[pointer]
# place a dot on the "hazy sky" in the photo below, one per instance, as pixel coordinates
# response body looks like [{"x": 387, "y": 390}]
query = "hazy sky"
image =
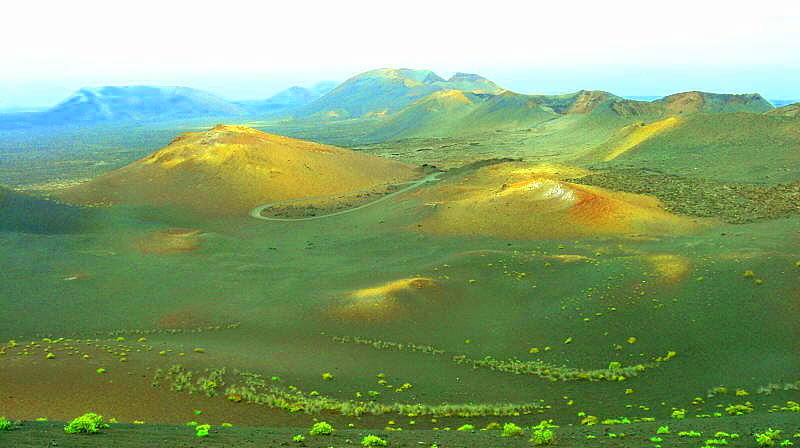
[{"x": 243, "y": 50}]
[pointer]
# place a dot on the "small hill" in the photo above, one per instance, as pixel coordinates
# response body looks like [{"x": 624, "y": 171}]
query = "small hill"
[
  {"x": 289, "y": 99},
  {"x": 527, "y": 201},
  {"x": 20, "y": 212},
  {"x": 385, "y": 91},
  {"x": 693, "y": 102},
  {"x": 789, "y": 110},
  {"x": 230, "y": 169}
]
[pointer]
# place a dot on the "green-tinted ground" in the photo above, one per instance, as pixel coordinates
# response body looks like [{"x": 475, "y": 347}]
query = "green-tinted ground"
[
  {"x": 726, "y": 301},
  {"x": 38, "y": 434}
]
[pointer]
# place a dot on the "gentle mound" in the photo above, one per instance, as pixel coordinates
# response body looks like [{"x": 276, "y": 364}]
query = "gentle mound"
[
  {"x": 541, "y": 206},
  {"x": 231, "y": 169},
  {"x": 170, "y": 241},
  {"x": 384, "y": 302}
]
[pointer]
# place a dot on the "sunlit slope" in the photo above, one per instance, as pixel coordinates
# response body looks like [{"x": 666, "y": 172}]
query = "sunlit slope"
[
  {"x": 629, "y": 137},
  {"x": 382, "y": 92},
  {"x": 524, "y": 201},
  {"x": 732, "y": 147},
  {"x": 230, "y": 169}
]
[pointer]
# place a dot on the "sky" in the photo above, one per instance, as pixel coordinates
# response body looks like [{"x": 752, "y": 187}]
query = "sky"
[{"x": 252, "y": 49}]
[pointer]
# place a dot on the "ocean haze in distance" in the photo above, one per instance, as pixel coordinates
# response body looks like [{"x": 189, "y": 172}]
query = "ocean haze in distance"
[{"x": 249, "y": 51}]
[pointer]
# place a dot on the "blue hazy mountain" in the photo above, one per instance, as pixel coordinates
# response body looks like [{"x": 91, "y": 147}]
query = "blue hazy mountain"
[
  {"x": 125, "y": 103},
  {"x": 289, "y": 99},
  {"x": 117, "y": 103},
  {"x": 779, "y": 103}
]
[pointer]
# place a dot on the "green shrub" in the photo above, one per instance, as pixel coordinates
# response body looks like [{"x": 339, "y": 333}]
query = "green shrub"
[
  {"x": 768, "y": 437},
  {"x": 466, "y": 428},
  {"x": 371, "y": 440},
  {"x": 321, "y": 429},
  {"x": 298, "y": 438},
  {"x": 202, "y": 430},
  {"x": 543, "y": 434},
  {"x": 5, "y": 424},
  {"x": 511, "y": 430},
  {"x": 543, "y": 437},
  {"x": 89, "y": 423}
]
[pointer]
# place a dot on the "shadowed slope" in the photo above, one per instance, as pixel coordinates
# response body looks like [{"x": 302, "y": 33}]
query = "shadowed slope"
[
  {"x": 230, "y": 169},
  {"x": 20, "y": 212}
]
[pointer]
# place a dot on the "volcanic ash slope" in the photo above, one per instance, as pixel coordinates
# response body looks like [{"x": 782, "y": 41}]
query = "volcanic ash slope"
[
  {"x": 228, "y": 170},
  {"x": 524, "y": 201}
]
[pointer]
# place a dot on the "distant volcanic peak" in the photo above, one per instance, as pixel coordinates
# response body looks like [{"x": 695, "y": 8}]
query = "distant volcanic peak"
[
  {"x": 471, "y": 82},
  {"x": 405, "y": 74},
  {"x": 692, "y": 96},
  {"x": 696, "y": 101},
  {"x": 459, "y": 76},
  {"x": 588, "y": 100},
  {"x": 138, "y": 91}
]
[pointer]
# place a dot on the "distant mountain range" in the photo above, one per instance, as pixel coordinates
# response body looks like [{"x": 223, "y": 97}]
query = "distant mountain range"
[
  {"x": 404, "y": 103},
  {"x": 152, "y": 103},
  {"x": 382, "y": 92}
]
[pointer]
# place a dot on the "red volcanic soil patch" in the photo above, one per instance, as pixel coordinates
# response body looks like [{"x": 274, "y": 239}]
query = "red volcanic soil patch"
[
  {"x": 186, "y": 317},
  {"x": 541, "y": 206},
  {"x": 586, "y": 102},
  {"x": 170, "y": 241},
  {"x": 69, "y": 385},
  {"x": 687, "y": 102}
]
